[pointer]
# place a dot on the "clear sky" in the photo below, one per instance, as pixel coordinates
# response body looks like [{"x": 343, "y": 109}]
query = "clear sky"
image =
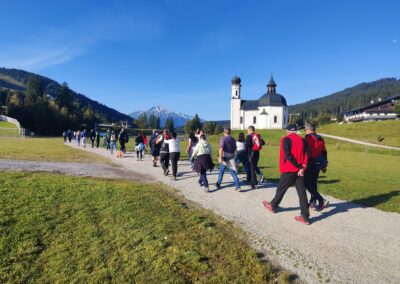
[{"x": 181, "y": 54}]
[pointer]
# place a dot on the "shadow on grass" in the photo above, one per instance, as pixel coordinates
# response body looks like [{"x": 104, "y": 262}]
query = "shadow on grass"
[
  {"x": 331, "y": 181},
  {"x": 374, "y": 200},
  {"x": 371, "y": 201}
]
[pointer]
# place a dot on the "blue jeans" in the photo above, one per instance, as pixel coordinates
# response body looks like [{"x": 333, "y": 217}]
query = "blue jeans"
[
  {"x": 113, "y": 145},
  {"x": 222, "y": 168}
]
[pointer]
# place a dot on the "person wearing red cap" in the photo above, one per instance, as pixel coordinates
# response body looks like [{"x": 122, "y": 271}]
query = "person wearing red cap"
[{"x": 293, "y": 162}]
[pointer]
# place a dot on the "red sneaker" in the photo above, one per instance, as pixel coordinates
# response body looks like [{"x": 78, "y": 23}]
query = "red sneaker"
[
  {"x": 268, "y": 206},
  {"x": 302, "y": 220}
]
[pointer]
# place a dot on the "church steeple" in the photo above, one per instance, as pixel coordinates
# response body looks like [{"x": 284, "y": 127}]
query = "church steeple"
[{"x": 271, "y": 85}]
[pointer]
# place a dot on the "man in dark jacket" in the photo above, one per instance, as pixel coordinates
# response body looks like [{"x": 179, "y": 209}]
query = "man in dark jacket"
[
  {"x": 293, "y": 162},
  {"x": 123, "y": 139},
  {"x": 97, "y": 139},
  {"x": 92, "y": 137},
  {"x": 254, "y": 143},
  {"x": 318, "y": 160}
]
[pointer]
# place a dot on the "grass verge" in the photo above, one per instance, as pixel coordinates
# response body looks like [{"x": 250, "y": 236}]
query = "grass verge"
[
  {"x": 367, "y": 131},
  {"x": 44, "y": 149},
  {"x": 8, "y": 129},
  {"x": 55, "y": 228}
]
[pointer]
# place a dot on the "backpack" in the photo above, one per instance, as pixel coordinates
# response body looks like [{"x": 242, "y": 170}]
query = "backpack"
[{"x": 257, "y": 142}]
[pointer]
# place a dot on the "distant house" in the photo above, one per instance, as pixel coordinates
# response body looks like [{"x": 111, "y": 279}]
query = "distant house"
[
  {"x": 380, "y": 110},
  {"x": 270, "y": 111}
]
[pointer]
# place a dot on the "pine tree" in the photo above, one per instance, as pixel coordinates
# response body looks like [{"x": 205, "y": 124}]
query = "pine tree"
[
  {"x": 142, "y": 121},
  {"x": 169, "y": 124},
  {"x": 34, "y": 89},
  {"x": 65, "y": 98}
]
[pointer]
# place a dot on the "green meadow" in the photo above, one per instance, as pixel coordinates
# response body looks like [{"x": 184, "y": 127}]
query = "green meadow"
[
  {"x": 8, "y": 129},
  {"x": 366, "y": 175},
  {"x": 367, "y": 131},
  {"x": 63, "y": 229},
  {"x": 44, "y": 149}
]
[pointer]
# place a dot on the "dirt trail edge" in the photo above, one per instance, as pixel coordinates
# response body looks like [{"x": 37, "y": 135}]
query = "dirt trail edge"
[{"x": 346, "y": 243}]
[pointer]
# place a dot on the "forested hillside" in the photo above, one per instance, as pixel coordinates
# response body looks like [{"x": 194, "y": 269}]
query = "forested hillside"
[
  {"x": 46, "y": 107},
  {"x": 337, "y": 103}
]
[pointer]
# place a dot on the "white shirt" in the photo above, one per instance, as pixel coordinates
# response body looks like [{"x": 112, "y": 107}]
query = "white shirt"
[
  {"x": 240, "y": 146},
  {"x": 174, "y": 145}
]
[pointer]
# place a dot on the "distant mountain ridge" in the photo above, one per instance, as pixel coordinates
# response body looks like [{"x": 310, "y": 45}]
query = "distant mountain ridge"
[
  {"x": 15, "y": 79},
  {"x": 163, "y": 113},
  {"x": 349, "y": 98}
]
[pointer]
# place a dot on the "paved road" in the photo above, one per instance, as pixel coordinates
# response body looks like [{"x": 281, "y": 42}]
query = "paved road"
[
  {"x": 344, "y": 244},
  {"x": 358, "y": 141}
]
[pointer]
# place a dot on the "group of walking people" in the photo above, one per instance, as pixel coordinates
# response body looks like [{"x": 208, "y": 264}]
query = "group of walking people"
[{"x": 300, "y": 160}]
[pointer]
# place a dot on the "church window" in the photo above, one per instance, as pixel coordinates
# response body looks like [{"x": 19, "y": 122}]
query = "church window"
[
  {"x": 236, "y": 93},
  {"x": 254, "y": 119},
  {"x": 275, "y": 119},
  {"x": 241, "y": 119}
]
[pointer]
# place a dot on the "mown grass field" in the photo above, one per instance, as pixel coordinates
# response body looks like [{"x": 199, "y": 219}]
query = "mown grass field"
[
  {"x": 59, "y": 229},
  {"x": 367, "y": 131},
  {"x": 365, "y": 175},
  {"x": 44, "y": 149},
  {"x": 8, "y": 129}
]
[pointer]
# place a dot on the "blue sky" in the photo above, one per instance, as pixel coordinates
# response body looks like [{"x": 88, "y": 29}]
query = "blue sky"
[{"x": 181, "y": 54}]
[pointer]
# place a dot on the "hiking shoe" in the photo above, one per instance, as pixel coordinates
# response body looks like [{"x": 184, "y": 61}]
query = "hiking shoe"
[
  {"x": 237, "y": 189},
  {"x": 206, "y": 189},
  {"x": 262, "y": 178},
  {"x": 218, "y": 185},
  {"x": 323, "y": 205},
  {"x": 302, "y": 220},
  {"x": 166, "y": 172},
  {"x": 313, "y": 205},
  {"x": 173, "y": 178},
  {"x": 268, "y": 206}
]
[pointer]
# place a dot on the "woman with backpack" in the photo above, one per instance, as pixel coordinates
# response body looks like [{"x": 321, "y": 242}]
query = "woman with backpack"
[
  {"x": 154, "y": 147},
  {"x": 174, "y": 153},
  {"x": 241, "y": 155},
  {"x": 164, "y": 150},
  {"x": 203, "y": 155},
  {"x": 139, "y": 147},
  {"x": 191, "y": 145}
]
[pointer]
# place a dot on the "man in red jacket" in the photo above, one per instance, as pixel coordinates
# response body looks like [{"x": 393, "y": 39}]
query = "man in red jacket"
[
  {"x": 293, "y": 162},
  {"x": 318, "y": 160}
]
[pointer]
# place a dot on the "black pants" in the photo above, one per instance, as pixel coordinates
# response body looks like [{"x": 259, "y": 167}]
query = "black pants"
[
  {"x": 286, "y": 180},
  {"x": 139, "y": 154},
  {"x": 92, "y": 140},
  {"x": 253, "y": 163},
  {"x": 310, "y": 180},
  {"x": 97, "y": 143},
  {"x": 174, "y": 162},
  {"x": 164, "y": 161},
  {"x": 122, "y": 148}
]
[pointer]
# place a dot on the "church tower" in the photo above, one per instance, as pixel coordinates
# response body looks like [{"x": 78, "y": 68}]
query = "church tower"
[{"x": 235, "y": 103}]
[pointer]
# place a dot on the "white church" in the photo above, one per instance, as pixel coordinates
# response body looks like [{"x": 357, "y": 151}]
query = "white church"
[{"x": 270, "y": 111}]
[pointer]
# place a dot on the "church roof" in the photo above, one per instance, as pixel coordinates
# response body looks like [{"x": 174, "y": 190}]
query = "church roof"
[
  {"x": 248, "y": 105},
  {"x": 236, "y": 80},
  {"x": 272, "y": 99}
]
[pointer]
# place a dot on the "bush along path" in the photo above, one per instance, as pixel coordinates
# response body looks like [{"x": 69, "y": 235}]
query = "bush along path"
[{"x": 345, "y": 242}]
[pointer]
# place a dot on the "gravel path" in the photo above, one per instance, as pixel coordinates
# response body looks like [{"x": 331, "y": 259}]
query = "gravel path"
[
  {"x": 358, "y": 142},
  {"x": 74, "y": 169},
  {"x": 345, "y": 244}
]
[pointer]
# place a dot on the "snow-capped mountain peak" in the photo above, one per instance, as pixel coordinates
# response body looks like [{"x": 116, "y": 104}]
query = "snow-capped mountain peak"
[{"x": 163, "y": 113}]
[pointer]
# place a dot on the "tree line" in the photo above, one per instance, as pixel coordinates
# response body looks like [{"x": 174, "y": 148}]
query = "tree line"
[
  {"x": 322, "y": 110},
  {"x": 44, "y": 114}
]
